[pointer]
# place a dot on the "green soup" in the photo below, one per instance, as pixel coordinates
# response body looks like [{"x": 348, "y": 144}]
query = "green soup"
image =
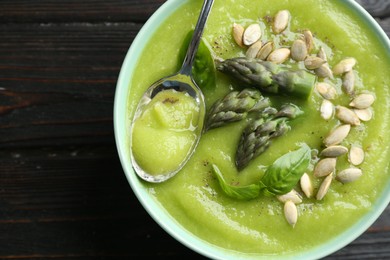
[
  {"x": 164, "y": 132},
  {"x": 195, "y": 199}
]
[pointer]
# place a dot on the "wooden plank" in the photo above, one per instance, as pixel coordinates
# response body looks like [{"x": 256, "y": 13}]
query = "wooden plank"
[
  {"x": 44, "y": 183},
  {"x": 371, "y": 245},
  {"x": 385, "y": 24},
  {"x": 57, "y": 81},
  {"x": 43, "y": 11},
  {"x": 377, "y": 8},
  {"x": 73, "y": 202},
  {"x": 89, "y": 239}
]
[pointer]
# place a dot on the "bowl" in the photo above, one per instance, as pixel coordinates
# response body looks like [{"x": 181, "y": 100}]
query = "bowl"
[{"x": 156, "y": 211}]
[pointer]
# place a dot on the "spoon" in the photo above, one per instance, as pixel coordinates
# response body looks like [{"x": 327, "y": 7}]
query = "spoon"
[{"x": 182, "y": 81}]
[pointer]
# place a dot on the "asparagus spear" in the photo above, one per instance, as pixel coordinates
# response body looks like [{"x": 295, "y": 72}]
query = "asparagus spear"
[
  {"x": 258, "y": 135},
  {"x": 234, "y": 107},
  {"x": 268, "y": 76}
]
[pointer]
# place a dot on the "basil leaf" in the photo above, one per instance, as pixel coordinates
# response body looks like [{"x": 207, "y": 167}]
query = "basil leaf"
[
  {"x": 203, "y": 68},
  {"x": 237, "y": 192},
  {"x": 285, "y": 172}
]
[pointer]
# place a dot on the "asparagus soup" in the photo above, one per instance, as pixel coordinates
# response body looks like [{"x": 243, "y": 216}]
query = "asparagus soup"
[{"x": 296, "y": 145}]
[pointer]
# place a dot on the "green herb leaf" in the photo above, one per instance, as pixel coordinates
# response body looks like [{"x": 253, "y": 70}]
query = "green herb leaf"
[
  {"x": 203, "y": 69},
  {"x": 285, "y": 172},
  {"x": 237, "y": 192}
]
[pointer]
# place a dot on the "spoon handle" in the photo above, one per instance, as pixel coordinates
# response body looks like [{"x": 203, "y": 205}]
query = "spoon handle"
[{"x": 193, "y": 47}]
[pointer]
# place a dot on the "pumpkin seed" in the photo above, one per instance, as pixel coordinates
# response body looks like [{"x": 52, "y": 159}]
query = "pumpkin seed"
[
  {"x": 326, "y": 90},
  {"x": 334, "y": 151},
  {"x": 281, "y": 21},
  {"x": 356, "y": 155},
  {"x": 324, "y": 187},
  {"x": 349, "y": 175},
  {"x": 325, "y": 167},
  {"x": 306, "y": 185},
  {"x": 364, "y": 114},
  {"x": 326, "y": 109},
  {"x": 291, "y": 213},
  {"x": 344, "y": 66},
  {"x": 254, "y": 49},
  {"x": 322, "y": 54},
  {"x": 238, "y": 33},
  {"x": 298, "y": 50},
  {"x": 293, "y": 196},
  {"x": 337, "y": 135},
  {"x": 279, "y": 55},
  {"x": 347, "y": 116},
  {"x": 308, "y": 36},
  {"x": 251, "y": 34},
  {"x": 324, "y": 71},
  {"x": 349, "y": 82},
  {"x": 362, "y": 101},
  {"x": 265, "y": 51},
  {"x": 312, "y": 62}
]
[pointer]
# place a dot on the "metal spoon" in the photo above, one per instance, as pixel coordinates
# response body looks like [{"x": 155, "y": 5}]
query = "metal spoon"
[{"x": 182, "y": 81}]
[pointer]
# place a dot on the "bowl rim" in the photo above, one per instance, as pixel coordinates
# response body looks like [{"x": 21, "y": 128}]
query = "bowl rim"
[{"x": 157, "y": 212}]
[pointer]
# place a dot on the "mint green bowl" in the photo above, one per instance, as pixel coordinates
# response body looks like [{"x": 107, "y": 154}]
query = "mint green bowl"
[{"x": 121, "y": 127}]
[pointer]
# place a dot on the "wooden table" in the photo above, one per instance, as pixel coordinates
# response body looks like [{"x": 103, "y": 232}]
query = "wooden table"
[{"x": 63, "y": 194}]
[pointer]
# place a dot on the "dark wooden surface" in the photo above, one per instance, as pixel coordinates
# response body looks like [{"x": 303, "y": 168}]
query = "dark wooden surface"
[{"x": 63, "y": 194}]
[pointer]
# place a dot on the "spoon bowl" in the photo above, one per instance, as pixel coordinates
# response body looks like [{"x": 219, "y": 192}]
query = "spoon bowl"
[{"x": 179, "y": 82}]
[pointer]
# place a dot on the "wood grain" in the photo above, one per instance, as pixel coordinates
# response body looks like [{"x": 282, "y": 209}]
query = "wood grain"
[
  {"x": 57, "y": 81},
  {"x": 377, "y": 8},
  {"x": 43, "y": 11},
  {"x": 72, "y": 203},
  {"x": 63, "y": 194}
]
